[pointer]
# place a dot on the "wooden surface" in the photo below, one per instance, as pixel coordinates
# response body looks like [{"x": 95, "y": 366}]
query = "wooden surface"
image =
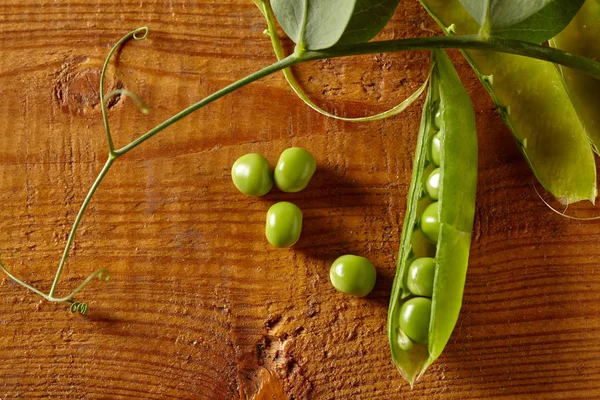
[{"x": 199, "y": 305}]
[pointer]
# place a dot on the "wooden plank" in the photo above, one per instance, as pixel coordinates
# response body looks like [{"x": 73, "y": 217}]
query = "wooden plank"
[{"x": 199, "y": 305}]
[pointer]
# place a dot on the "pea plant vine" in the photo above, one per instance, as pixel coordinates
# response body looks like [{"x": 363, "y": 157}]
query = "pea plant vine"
[{"x": 339, "y": 28}]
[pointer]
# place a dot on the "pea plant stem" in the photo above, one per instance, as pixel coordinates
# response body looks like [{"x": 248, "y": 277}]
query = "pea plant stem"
[
  {"x": 510, "y": 46},
  {"x": 467, "y": 42},
  {"x": 300, "y": 55},
  {"x": 114, "y": 154},
  {"x": 111, "y": 159},
  {"x": 285, "y": 63}
]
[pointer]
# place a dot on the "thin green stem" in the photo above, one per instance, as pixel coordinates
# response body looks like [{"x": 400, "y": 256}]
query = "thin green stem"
[
  {"x": 278, "y": 66},
  {"x": 102, "y": 274},
  {"x": 84, "y": 207},
  {"x": 472, "y": 42},
  {"x": 25, "y": 285},
  {"x": 133, "y": 34},
  {"x": 137, "y": 34},
  {"x": 265, "y": 8}
]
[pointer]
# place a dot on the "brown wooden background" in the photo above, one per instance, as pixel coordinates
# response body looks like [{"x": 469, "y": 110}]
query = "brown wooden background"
[{"x": 199, "y": 305}]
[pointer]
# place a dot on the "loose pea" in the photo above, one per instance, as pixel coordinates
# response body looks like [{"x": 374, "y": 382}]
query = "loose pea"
[
  {"x": 251, "y": 174},
  {"x": 432, "y": 184},
  {"x": 294, "y": 169},
  {"x": 414, "y": 319},
  {"x": 435, "y": 149},
  {"x": 353, "y": 275},
  {"x": 430, "y": 222},
  {"x": 284, "y": 224},
  {"x": 420, "y": 276}
]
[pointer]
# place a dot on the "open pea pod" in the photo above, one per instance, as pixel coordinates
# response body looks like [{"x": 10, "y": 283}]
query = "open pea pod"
[
  {"x": 582, "y": 36},
  {"x": 533, "y": 102},
  {"x": 436, "y": 236}
]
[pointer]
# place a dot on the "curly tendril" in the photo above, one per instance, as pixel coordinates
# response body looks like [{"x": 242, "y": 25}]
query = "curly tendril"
[
  {"x": 143, "y": 29},
  {"x": 78, "y": 307}
]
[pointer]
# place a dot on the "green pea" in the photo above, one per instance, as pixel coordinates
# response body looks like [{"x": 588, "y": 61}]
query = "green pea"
[
  {"x": 251, "y": 174},
  {"x": 404, "y": 341},
  {"x": 435, "y": 149},
  {"x": 422, "y": 205},
  {"x": 294, "y": 169},
  {"x": 414, "y": 319},
  {"x": 437, "y": 119},
  {"x": 421, "y": 247},
  {"x": 353, "y": 275},
  {"x": 420, "y": 276},
  {"x": 430, "y": 222},
  {"x": 426, "y": 172},
  {"x": 432, "y": 184},
  {"x": 284, "y": 224}
]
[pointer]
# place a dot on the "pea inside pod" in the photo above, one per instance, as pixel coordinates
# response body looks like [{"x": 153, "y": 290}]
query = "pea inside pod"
[
  {"x": 414, "y": 319},
  {"x": 428, "y": 287},
  {"x": 420, "y": 276}
]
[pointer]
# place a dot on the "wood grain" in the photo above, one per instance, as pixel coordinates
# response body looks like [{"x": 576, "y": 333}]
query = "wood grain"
[{"x": 199, "y": 305}]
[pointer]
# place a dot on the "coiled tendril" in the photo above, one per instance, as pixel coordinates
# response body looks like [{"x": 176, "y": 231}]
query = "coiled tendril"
[{"x": 78, "y": 307}]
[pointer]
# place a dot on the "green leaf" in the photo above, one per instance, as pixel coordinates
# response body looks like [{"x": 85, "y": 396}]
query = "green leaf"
[
  {"x": 290, "y": 15},
  {"x": 314, "y": 24},
  {"x": 530, "y": 20},
  {"x": 368, "y": 19}
]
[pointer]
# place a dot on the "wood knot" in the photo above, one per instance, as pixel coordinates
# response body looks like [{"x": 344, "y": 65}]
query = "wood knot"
[{"x": 76, "y": 89}]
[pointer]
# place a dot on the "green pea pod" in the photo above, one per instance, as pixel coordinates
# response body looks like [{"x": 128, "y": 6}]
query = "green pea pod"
[
  {"x": 447, "y": 108},
  {"x": 534, "y": 104},
  {"x": 582, "y": 36}
]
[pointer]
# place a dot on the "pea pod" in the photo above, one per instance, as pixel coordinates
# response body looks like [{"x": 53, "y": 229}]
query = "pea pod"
[
  {"x": 536, "y": 107},
  {"x": 582, "y": 36},
  {"x": 419, "y": 325}
]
